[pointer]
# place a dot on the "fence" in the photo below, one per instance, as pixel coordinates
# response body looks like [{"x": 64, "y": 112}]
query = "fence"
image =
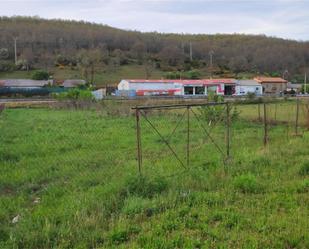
[{"x": 213, "y": 129}]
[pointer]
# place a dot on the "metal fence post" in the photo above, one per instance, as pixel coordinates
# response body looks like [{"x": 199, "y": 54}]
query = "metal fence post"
[
  {"x": 276, "y": 112},
  {"x": 138, "y": 140},
  {"x": 297, "y": 116},
  {"x": 265, "y": 126},
  {"x": 228, "y": 130},
  {"x": 188, "y": 136},
  {"x": 259, "y": 111}
]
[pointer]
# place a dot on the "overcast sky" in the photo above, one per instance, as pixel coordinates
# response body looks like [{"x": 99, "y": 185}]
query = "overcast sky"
[{"x": 281, "y": 18}]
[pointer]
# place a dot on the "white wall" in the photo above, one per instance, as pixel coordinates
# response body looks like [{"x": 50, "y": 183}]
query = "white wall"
[
  {"x": 123, "y": 85},
  {"x": 243, "y": 90}
]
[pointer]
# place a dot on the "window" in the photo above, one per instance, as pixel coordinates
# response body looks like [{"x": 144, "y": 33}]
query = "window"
[
  {"x": 212, "y": 89},
  {"x": 188, "y": 90},
  {"x": 199, "y": 90}
]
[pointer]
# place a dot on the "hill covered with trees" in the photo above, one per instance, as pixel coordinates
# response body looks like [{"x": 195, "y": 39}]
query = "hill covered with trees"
[{"x": 86, "y": 46}]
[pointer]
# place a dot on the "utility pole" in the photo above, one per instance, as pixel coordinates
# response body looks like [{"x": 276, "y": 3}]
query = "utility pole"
[
  {"x": 284, "y": 73},
  {"x": 305, "y": 84},
  {"x": 15, "y": 48},
  {"x": 191, "y": 55},
  {"x": 211, "y": 53}
]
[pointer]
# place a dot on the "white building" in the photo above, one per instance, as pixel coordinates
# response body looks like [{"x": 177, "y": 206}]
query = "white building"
[
  {"x": 178, "y": 87},
  {"x": 243, "y": 87}
]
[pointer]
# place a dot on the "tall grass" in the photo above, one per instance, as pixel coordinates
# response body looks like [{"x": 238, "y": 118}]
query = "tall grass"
[{"x": 70, "y": 176}]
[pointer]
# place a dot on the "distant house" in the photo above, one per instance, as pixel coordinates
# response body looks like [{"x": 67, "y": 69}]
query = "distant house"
[
  {"x": 243, "y": 87},
  {"x": 272, "y": 85},
  {"x": 73, "y": 83}
]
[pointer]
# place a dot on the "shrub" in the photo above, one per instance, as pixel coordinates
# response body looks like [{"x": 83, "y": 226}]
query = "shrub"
[
  {"x": 145, "y": 187},
  {"x": 6, "y": 66},
  {"x": 304, "y": 169},
  {"x": 247, "y": 184},
  {"x": 193, "y": 74},
  {"x": 40, "y": 75},
  {"x": 75, "y": 94}
]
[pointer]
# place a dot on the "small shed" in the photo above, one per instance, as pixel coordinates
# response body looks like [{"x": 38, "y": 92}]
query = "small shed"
[{"x": 243, "y": 87}]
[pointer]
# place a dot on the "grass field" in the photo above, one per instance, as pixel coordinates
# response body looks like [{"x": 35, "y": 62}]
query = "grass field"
[{"x": 69, "y": 179}]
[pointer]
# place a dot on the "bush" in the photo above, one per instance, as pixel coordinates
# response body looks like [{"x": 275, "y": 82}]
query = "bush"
[
  {"x": 6, "y": 66},
  {"x": 145, "y": 187},
  {"x": 247, "y": 184},
  {"x": 193, "y": 74},
  {"x": 304, "y": 169},
  {"x": 75, "y": 94},
  {"x": 40, "y": 75}
]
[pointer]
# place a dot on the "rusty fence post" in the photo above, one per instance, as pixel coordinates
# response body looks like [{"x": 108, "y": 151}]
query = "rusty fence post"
[
  {"x": 276, "y": 112},
  {"x": 259, "y": 111},
  {"x": 188, "y": 136},
  {"x": 297, "y": 116},
  {"x": 228, "y": 121},
  {"x": 265, "y": 126},
  {"x": 138, "y": 140}
]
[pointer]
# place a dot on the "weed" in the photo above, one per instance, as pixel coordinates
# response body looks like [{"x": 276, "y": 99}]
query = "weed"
[
  {"x": 303, "y": 187},
  {"x": 304, "y": 169},
  {"x": 247, "y": 183},
  {"x": 145, "y": 187}
]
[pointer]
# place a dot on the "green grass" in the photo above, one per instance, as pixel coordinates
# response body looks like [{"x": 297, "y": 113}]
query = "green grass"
[
  {"x": 103, "y": 75},
  {"x": 71, "y": 176}
]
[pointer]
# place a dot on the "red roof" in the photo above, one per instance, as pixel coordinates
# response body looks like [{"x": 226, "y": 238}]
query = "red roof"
[
  {"x": 186, "y": 82},
  {"x": 270, "y": 80}
]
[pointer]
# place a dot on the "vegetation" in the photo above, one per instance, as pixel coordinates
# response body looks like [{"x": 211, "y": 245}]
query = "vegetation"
[
  {"x": 68, "y": 179},
  {"x": 92, "y": 48},
  {"x": 40, "y": 75},
  {"x": 75, "y": 94}
]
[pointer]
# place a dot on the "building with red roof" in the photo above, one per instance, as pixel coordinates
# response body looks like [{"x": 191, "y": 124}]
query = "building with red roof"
[
  {"x": 143, "y": 87},
  {"x": 272, "y": 85}
]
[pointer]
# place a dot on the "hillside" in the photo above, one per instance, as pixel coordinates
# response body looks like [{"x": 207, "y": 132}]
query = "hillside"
[{"x": 90, "y": 48}]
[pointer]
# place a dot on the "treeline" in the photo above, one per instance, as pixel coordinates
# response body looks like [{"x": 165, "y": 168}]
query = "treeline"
[{"x": 45, "y": 43}]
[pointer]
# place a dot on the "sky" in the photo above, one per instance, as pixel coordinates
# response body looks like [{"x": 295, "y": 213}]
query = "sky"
[{"x": 280, "y": 18}]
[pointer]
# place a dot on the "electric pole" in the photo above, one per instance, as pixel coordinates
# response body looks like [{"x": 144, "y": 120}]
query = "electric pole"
[
  {"x": 211, "y": 53},
  {"x": 15, "y": 49},
  {"x": 305, "y": 85},
  {"x": 191, "y": 55}
]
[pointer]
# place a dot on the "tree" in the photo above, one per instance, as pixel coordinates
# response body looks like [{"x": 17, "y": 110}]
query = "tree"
[
  {"x": 88, "y": 61},
  {"x": 4, "y": 53}
]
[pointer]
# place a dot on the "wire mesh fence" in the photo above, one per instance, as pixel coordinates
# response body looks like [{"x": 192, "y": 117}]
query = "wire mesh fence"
[{"x": 186, "y": 136}]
